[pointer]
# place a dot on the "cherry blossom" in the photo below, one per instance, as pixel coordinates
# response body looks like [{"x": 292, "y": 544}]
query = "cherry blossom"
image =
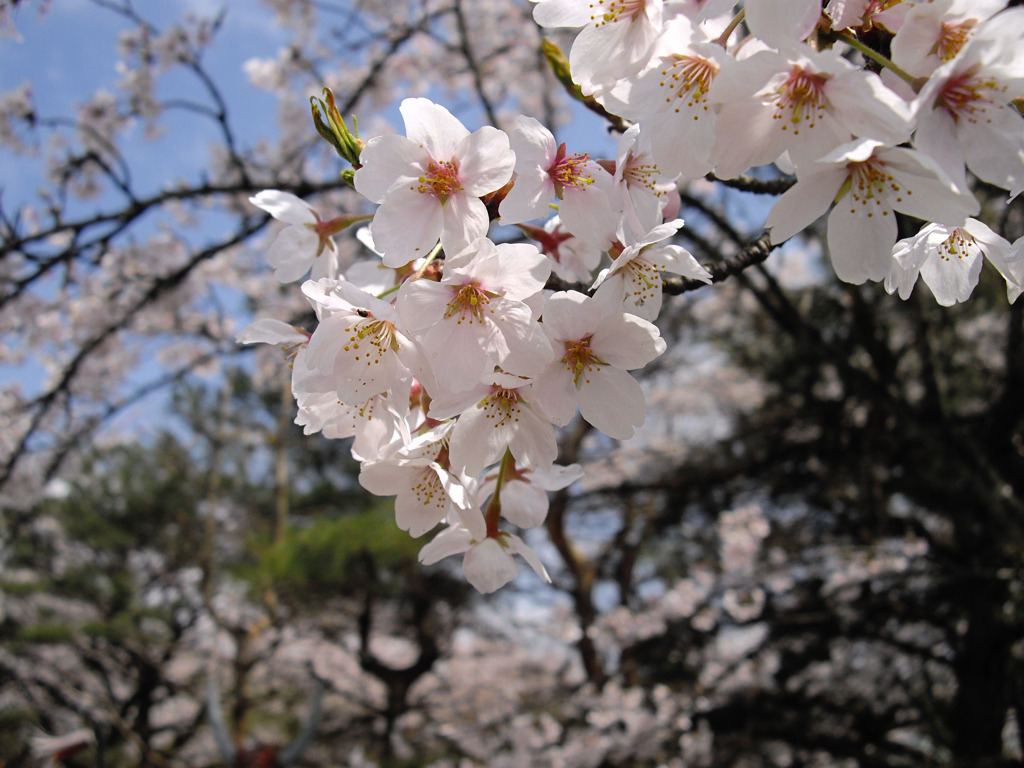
[
  {"x": 616, "y": 38},
  {"x": 545, "y": 171},
  {"x": 634, "y": 279},
  {"x": 965, "y": 116},
  {"x": 933, "y": 33},
  {"x": 426, "y": 493},
  {"x": 495, "y": 415},
  {"x": 429, "y": 182},
  {"x": 306, "y": 242},
  {"x": 949, "y": 260},
  {"x": 358, "y": 341},
  {"x": 477, "y": 317},
  {"x": 488, "y": 561},
  {"x": 597, "y": 345},
  {"x": 867, "y": 181},
  {"x": 802, "y": 102}
]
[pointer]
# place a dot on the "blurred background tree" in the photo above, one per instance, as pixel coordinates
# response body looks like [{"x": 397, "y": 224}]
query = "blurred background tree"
[{"x": 811, "y": 555}]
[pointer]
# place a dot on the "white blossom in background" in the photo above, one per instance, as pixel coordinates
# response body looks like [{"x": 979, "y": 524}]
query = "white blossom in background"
[
  {"x": 949, "y": 260},
  {"x": 867, "y": 181},
  {"x": 306, "y": 243}
]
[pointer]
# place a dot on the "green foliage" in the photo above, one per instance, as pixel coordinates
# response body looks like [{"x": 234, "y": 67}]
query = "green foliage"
[{"x": 340, "y": 555}]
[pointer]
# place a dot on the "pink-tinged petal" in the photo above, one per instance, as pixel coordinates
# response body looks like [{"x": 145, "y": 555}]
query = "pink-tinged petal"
[
  {"x": 455, "y": 490},
  {"x": 324, "y": 345},
  {"x": 529, "y": 198},
  {"x": 679, "y": 261},
  {"x": 867, "y": 108},
  {"x": 407, "y": 225},
  {"x": 533, "y": 144},
  {"x": 433, "y": 127},
  {"x": 385, "y": 478},
  {"x": 451, "y": 541},
  {"x": 422, "y": 303},
  {"x": 591, "y": 213},
  {"x": 465, "y": 220},
  {"x": 489, "y": 566},
  {"x": 571, "y": 315},
  {"x": 423, "y": 507},
  {"x": 996, "y": 153},
  {"x": 952, "y": 280},
  {"x": 779, "y": 23},
  {"x": 936, "y": 137},
  {"x": 930, "y": 194},
  {"x": 612, "y": 401},
  {"x": 523, "y": 503},
  {"x": 357, "y": 297},
  {"x": 627, "y": 341},
  {"x": 533, "y": 441},
  {"x": 388, "y": 161},
  {"x": 292, "y": 253},
  {"x": 528, "y": 349},
  {"x": 555, "y": 394},
  {"x": 997, "y": 250},
  {"x": 746, "y": 137},
  {"x": 802, "y": 204},
  {"x": 284, "y": 206},
  {"x": 485, "y": 161},
  {"x": 458, "y": 356},
  {"x": 476, "y": 441},
  {"x": 519, "y": 547},
  {"x": 561, "y": 13},
  {"x": 266, "y": 330},
  {"x": 860, "y": 247},
  {"x": 521, "y": 271},
  {"x": 447, "y": 405}
]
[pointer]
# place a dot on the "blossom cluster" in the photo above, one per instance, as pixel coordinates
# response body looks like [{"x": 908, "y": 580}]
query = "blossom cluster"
[{"x": 451, "y": 364}]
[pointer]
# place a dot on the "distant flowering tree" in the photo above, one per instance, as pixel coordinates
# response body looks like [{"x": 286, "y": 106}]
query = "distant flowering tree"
[{"x": 810, "y": 544}]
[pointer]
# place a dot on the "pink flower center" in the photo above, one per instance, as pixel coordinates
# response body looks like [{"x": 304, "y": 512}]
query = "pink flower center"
[
  {"x": 569, "y": 171},
  {"x": 501, "y": 406},
  {"x": 441, "y": 180},
  {"x": 953, "y": 37},
  {"x": 610, "y": 11},
  {"x": 470, "y": 304},
  {"x": 803, "y": 97},
  {"x": 689, "y": 78},
  {"x": 580, "y": 359},
  {"x": 967, "y": 96}
]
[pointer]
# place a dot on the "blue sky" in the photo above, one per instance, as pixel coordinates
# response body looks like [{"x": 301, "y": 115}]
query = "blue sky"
[{"x": 71, "y": 52}]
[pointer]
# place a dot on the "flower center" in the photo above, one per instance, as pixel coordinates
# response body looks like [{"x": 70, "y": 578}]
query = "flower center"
[
  {"x": 689, "y": 78},
  {"x": 569, "y": 171},
  {"x": 953, "y": 37},
  {"x": 870, "y": 184},
  {"x": 803, "y": 96},
  {"x": 957, "y": 246},
  {"x": 370, "y": 339},
  {"x": 470, "y": 304},
  {"x": 644, "y": 174},
  {"x": 501, "y": 406},
  {"x": 580, "y": 359},
  {"x": 441, "y": 180},
  {"x": 610, "y": 11},
  {"x": 967, "y": 96}
]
